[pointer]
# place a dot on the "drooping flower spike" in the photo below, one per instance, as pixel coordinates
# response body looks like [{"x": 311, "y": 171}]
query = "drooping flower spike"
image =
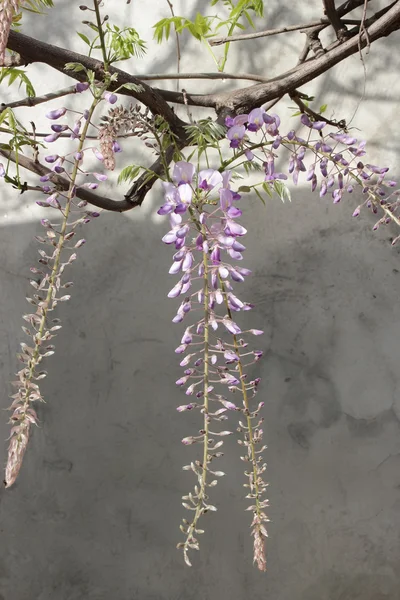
[
  {"x": 207, "y": 239},
  {"x": 333, "y": 158}
]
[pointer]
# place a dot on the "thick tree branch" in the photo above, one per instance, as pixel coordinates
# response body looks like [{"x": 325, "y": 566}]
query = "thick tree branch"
[
  {"x": 381, "y": 24},
  {"x": 237, "y": 101},
  {"x": 132, "y": 199},
  {"x": 334, "y": 19},
  {"x": 248, "y": 98},
  {"x": 32, "y": 50}
]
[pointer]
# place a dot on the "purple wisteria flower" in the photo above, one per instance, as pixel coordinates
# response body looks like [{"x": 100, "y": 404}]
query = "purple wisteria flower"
[
  {"x": 206, "y": 240},
  {"x": 329, "y": 161}
]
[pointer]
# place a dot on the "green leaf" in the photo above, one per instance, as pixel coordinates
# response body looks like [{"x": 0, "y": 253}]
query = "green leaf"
[
  {"x": 267, "y": 188},
  {"x": 34, "y": 6},
  {"x": 15, "y": 74},
  {"x": 129, "y": 173},
  {"x": 132, "y": 86},
  {"x": 282, "y": 191},
  {"x": 244, "y": 188},
  {"x": 323, "y": 108},
  {"x": 251, "y": 23},
  {"x": 84, "y": 38},
  {"x": 75, "y": 67},
  {"x": 125, "y": 43},
  {"x": 259, "y": 195}
]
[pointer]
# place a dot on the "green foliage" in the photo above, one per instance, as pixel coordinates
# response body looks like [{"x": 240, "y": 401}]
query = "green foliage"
[
  {"x": 129, "y": 173},
  {"x": 17, "y": 75},
  {"x": 121, "y": 44},
  {"x": 75, "y": 67},
  {"x": 124, "y": 43},
  {"x": 20, "y": 137},
  {"x": 282, "y": 190},
  {"x": 199, "y": 28},
  {"x": 205, "y": 132},
  {"x": 36, "y": 6},
  {"x": 202, "y": 26},
  {"x": 250, "y": 166},
  {"x": 131, "y": 86}
]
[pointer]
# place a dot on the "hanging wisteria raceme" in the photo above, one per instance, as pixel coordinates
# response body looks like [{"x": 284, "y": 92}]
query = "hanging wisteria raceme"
[
  {"x": 8, "y": 10},
  {"x": 329, "y": 162},
  {"x": 59, "y": 238},
  {"x": 206, "y": 235}
]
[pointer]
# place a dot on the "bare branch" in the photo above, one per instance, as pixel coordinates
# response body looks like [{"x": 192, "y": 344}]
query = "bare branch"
[
  {"x": 63, "y": 183},
  {"x": 267, "y": 33},
  {"x": 334, "y": 19},
  {"x": 178, "y": 45},
  {"x": 218, "y": 75},
  {"x": 296, "y": 97},
  {"x": 248, "y": 98},
  {"x": 320, "y": 24},
  {"x": 33, "y": 50},
  {"x": 156, "y": 100},
  {"x": 35, "y": 100}
]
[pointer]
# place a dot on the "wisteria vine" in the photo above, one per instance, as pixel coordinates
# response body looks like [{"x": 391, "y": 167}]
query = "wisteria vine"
[
  {"x": 205, "y": 242},
  {"x": 203, "y": 207},
  {"x": 205, "y": 231}
]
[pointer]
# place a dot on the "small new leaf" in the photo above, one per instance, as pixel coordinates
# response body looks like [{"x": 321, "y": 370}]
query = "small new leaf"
[{"x": 75, "y": 67}]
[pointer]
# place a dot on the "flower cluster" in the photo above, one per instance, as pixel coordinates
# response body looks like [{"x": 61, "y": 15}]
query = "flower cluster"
[
  {"x": 333, "y": 160},
  {"x": 59, "y": 237},
  {"x": 207, "y": 238},
  {"x": 8, "y": 10}
]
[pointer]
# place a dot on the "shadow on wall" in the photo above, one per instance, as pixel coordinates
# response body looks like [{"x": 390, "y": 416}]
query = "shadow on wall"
[{"x": 96, "y": 509}]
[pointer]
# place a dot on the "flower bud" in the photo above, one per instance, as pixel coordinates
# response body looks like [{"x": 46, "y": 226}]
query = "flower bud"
[{"x": 56, "y": 114}]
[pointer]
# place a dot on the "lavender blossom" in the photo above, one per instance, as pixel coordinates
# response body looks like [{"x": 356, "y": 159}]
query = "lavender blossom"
[
  {"x": 206, "y": 239},
  {"x": 48, "y": 287}
]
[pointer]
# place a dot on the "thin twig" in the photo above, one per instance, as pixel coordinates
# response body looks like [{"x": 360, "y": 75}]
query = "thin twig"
[
  {"x": 68, "y": 135},
  {"x": 267, "y": 33},
  {"x": 304, "y": 53},
  {"x": 323, "y": 22},
  {"x": 33, "y": 101},
  {"x": 178, "y": 46},
  {"x": 158, "y": 76},
  {"x": 364, "y": 31},
  {"x": 268, "y": 106},
  {"x": 296, "y": 97}
]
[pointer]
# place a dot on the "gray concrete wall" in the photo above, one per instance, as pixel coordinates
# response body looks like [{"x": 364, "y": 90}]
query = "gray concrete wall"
[{"x": 96, "y": 509}]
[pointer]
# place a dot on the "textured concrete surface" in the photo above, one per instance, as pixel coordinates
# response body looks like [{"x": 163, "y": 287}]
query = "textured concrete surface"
[{"x": 96, "y": 509}]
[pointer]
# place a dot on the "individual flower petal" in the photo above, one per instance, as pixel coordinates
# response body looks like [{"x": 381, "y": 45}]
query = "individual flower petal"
[
  {"x": 56, "y": 114},
  {"x": 231, "y": 326},
  {"x": 185, "y": 193},
  {"x": 235, "y": 135},
  {"x": 100, "y": 176},
  {"x": 255, "y": 119},
  {"x": 110, "y": 97},
  {"x": 81, "y": 86},
  {"x": 225, "y": 198},
  {"x": 58, "y": 128},
  {"x": 233, "y": 228},
  {"x": 183, "y": 172},
  {"x": 209, "y": 179},
  {"x": 51, "y": 138}
]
